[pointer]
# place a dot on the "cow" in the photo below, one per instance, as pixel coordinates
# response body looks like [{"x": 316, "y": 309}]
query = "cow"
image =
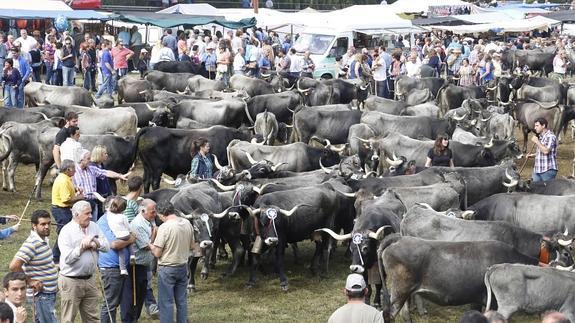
[
  {"x": 37, "y": 93},
  {"x": 121, "y": 153},
  {"x": 147, "y": 111},
  {"x": 251, "y": 86},
  {"x": 173, "y": 82},
  {"x": 161, "y": 95},
  {"x": 415, "y": 97},
  {"x": 20, "y": 145},
  {"x": 163, "y": 150},
  {"x": 225, "y": 112},
  {"x": 218, "y": 95},
  {"x": 544, "y": 214},
  {"x": 336, "y": 91},
  {"x": 197, "y": 83},
  {"x": 325, "y": 124},
  {"x": 414, "y": 127},
  {"x": 557, "y": 186},
  {"x": 266, "y": 126},
  {"x": 422, "y": 110},
  {"x": 452, "y": 96},
  {"x": 295, "y": 215},
  {"x": 404, "y": 84},
  {"x": 120, "y": 121},
  {"x": 376, "y": 103},
  {"x": 281, "y": 105},
  {"x": 134, "y": 90},
  {"x": 29, "y": 115},
  {"x": 481, "y": 182},
  {"x": 179, "y": 67},
  {"x": 498, "y": 126},
  {"x": 539, "y": 59},
  {"x": 419, "y": 267},
  {"x": 557, "y": 116},
  {"x": 530, "y": 289},
  {"x": 297, "y": 157},
  {"x": 422, "y": 221},
  {"x": 547, "y": 93}
]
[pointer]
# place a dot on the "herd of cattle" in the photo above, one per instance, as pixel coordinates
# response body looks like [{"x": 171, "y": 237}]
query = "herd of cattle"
[{"x": 323, "y": 159}]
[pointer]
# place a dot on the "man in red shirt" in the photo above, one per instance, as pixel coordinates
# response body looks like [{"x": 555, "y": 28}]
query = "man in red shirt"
[{"x": 121, "y": 55}]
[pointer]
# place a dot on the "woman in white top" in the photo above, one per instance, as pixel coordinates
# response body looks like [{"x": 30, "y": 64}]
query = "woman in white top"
[
  {"x": 413, "y": 65},
  {"x": 71, "y": 148}
]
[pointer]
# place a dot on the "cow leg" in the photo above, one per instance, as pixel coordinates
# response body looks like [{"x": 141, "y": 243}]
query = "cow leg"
[
  {"x": 253, "y": 268},
  {"x": 420, "y": 305},
  {"x": 280, "y": 256},
  {"x": 206, "y": 267},
  {"x": 12, "y": 163},
  {"x": 525, "y": 134},
  {"x": 222, "y": 252},
  {"x": 238, "y": 252},
  {"x": 156, "y": 179},
  {"x": 40, "y": 175},
  {"x": 377, "y": 296},
  {"x": 295, "y": 251},
  {"x": 324, "y": 258},
  {"x": 316, "y": 258},
  {"x": 192, "y": 264},
  {"x": 113, "y": 186},
  {"x": 405, "y": 312},
  {"x": 5, "y": 181}
]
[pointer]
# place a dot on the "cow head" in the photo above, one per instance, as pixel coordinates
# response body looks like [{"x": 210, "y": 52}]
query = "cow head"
[
  {"x": 512, "y": 176},
  {"x": 261, "y": 168},
  {"x": 563, "y": 245},
  {"x": 204, "y": 228},
  {"x": 105, "y": 101},
  {"x": 270, "y": 222},
  {"x": 362, "y": 92},
  {"x": 163, "y": 117}
]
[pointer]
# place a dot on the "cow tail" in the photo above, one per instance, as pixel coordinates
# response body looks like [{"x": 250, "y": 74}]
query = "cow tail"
[
  {"x": 137, "y": 148},
  {"x": 438, "y": 96},
  {"x": 247, "y": 110},
  {"x": 8, "y": 149},
  {"x": 488, "y": 286}
]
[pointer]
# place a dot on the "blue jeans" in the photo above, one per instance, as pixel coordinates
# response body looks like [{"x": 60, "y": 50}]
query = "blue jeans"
[
  {"x": 62, "y": 217},
  {"x": 381, "y": 88},
  {"x": 107, "y": 85},
  {"x": 172, "y": 287},
  {"x": 546, "y": 176},
  {"x": 113, "y": 284},
  {"x": 45, "y": 308},
  {"x": 150, "y": 299},
  {"x": 20, "y": 95},
  {"x": 88, "y": 79},
  {"x": 68, "y": 74},
  {"x": 131, "y": 313},
  {"x": 49, "y": 72},
  {"x": 10, "y": 96}
]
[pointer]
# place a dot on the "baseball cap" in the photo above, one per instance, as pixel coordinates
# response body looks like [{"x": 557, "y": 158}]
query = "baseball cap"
[{"x": 355, "y": 283}]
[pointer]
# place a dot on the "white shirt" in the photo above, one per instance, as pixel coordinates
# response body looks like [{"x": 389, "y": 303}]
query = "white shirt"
[
  {"x": 166, "y": 54},
  {"x": 27, "y": 44},
  {"x": 73, "y": 261},
  {"x": 201, "y": 46},
  {"x": 13, "y": 307},
  {"x": 412, "y": 69},
  {"x": 558, "y": 65},
  {"x": 237, "y": 44},
  {"x": 380, "y": 72},
  {"x": 71, "y": 149},
  {"x": 136, "y": 39},
  {"x": 239, "y": 62},
  {"x": 119, "y": 225},
  {"x": 296, "y": 65},
  {"x": 489, "y": 47}
]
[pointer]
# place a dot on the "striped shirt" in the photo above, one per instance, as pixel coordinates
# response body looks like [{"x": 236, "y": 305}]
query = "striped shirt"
[
  {"x": 545, "y": 162},
  {"x": 131, "y": 209},
  {"x": 86, "y": 179},
  {"x": 36, "y": 254}
]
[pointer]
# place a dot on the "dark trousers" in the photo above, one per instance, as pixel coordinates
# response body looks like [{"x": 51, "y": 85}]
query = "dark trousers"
[
  {"x": 113, "y": 284},
  {"x": 62, "y": 216},
  {"x": 131, "y": 313}
]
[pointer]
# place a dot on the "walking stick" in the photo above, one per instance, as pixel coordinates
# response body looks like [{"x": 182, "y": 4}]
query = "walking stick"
[
  {"x": 526, "y": 159},
  {"x": 27, "y": 204},
  {"x": 134, "y": 285}
]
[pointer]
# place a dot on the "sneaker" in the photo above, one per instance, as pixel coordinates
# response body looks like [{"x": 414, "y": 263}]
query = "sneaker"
[
  {"x": 153, "y": 311},
  {"x": 124, "y": 272},
  {"x": 132, "y": 259}
]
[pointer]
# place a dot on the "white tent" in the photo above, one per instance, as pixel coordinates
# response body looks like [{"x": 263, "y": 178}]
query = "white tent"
[
  {"x": 36, "y": 5},
  {"x": 422, "y": 5},
  {"x": 510, "y": 26},
  {"x": 196, "y": 9}
]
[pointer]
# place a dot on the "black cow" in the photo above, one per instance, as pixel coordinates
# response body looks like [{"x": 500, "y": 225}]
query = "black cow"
[
  {"x": 224, "y": 112},
  {"x": 167, "y": 151},
  {"x": 530, "y": 289},
  {"x": 134, "y": 90},
  {"x": 251, "y": 86},
  {"x": 173, "y": 82},
  {"x": 404, "y": 84},
  {"x": 414, "y": 127},
  {"x": 420, "y": 267},
  {"x": 558, "y": 186},
  {"x": 281, "y": 104},
  {"x": 452, "y": 96},
  {"x": 180, "y": 67},
  {"x": 147, "y": 111},
  {"x": 325, "y": 124}
]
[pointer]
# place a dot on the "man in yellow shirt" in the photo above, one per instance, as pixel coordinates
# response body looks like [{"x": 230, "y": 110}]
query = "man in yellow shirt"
[{"x": 64, "y": 195}]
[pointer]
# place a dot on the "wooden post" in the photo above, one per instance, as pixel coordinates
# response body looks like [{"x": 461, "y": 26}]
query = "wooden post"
[{"x": 256, "y": 5}]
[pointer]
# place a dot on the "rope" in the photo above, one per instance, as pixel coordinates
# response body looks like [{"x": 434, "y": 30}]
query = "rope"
[{"x": 526, "y": 159}]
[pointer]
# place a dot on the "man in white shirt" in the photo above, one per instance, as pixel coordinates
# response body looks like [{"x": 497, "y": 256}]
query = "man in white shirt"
[
  {"x": 356, "y": 310},
  {"x": 25, "y": 41},
  {"x": 296, "y": 65},
  {"x": 560, "y": 63},
  {"x": 239, "y": 62},
  {"x": 71, "y": 148},
  {"x": 413, "y": 65},
  {"x": 380, "y": 77},
  {"x": 15, "y": 291}
]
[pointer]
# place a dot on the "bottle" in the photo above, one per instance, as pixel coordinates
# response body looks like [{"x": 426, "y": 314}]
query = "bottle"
[{"x": 30, "y": 295}]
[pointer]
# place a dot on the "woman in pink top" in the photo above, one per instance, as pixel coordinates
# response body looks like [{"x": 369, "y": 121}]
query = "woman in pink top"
[
  {"x": 121, "y": 55},
  {"x": 183, "y": 48}
]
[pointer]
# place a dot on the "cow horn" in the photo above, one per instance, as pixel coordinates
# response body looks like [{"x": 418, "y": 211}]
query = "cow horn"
[
  {"x": 318, "y": 139},
  {"x": 250, "y": 158},
  {"x": 332, "y": 148},
  {"x": 336, "y": 236},
  {"x": 565, "y": 268},
  {"x": 264, "y": 75},
  {"x": 150, "y": 107},
  {"x": 505, "y": 103},
  {"x": 425, "y": 205},
  {"x": 325, "y": 169},
  {"x": 252, "y": 211},
  {"x": 255, "y": 141},
  {"x": 455, "y": 117},
  {"x": 507, "y": 175},
  {"x": 222, "y": 186},
  {"x": 489, "y": 144},
  {"x": 300, "y": 90},
  {"x": 260, "y": 189},
  {"x": 564, "y": 243},
  {"x": 289, "y": 125},
  {"x": 491, "y": 88},
  {"x": 168, "y": 181},
  {"x": 142, "y": 92},
  {"x": 352, "y": 195},
  {"x": 486, "y": 119},
  {"x": 362, "y": 140},
  {"x": 511, "y": 183},
  {"x": 275, "y": 167},
  {"x": 180, "y": 92},
  {"x": 376, "y": 235},
  {"x": 566, "y": 232},
  {"x": 467, "y": 215},
  {"x": 292, "y": 211},
  {"x": 221, "y": 214},
  {"x": 363, "y": 88},
  {"x": 248, "y": 112},
  {"x": 217, "y": 162},
  {"x": 394, "y": 162}
]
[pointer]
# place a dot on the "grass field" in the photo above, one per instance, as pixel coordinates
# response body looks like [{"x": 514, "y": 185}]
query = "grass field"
[{"x": 309, "y": 299}]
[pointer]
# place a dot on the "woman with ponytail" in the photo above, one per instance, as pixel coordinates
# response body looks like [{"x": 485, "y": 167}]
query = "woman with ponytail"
[{"x": 202, "y": 160}]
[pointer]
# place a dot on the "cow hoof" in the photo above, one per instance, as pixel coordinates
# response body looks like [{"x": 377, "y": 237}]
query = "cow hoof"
[
  {"x": 204, "y": 276},
  {"x": 191, "y": 288},
  {"x": 250, "y": 285},
  {"x": 223, "y": 255},
  {"x": 4, "y": 188},
  {"x": 284, "y": 288}
]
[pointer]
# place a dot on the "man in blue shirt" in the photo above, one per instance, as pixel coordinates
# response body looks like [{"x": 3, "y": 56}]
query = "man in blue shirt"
[
  {"x": 25, "y": 70},
  {"x": 108, "y": 262},
  {"x": 107, "y": 70}
]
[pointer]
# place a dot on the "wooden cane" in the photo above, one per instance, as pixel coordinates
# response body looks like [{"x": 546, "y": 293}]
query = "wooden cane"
[
  {"x": 526, "y": 159},
  {"x": 27, "y": 204}
]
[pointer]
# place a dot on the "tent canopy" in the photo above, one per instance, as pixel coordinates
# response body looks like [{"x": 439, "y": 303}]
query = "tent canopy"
[
  {"x": 423, "y": 5},
  {"x": 529, "y": 24},
  {"x": 196, "y": 9},
  {"x": 166, "y": 20},
  {"x": 35, "y": 9},
  {"x": 563, "y": 15}
]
